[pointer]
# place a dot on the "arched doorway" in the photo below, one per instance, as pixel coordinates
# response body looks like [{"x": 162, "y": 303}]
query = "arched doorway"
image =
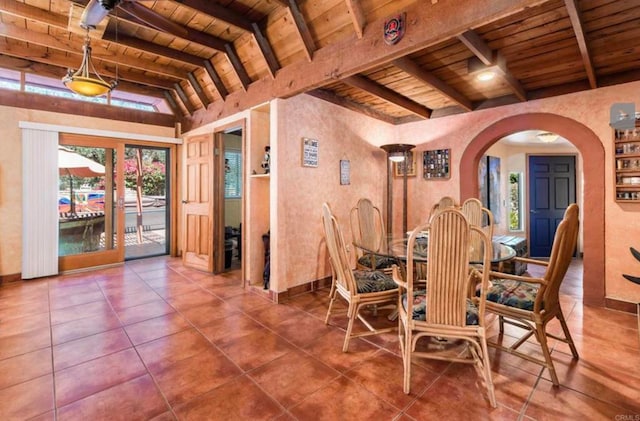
[{"x": 592, "y": 151}]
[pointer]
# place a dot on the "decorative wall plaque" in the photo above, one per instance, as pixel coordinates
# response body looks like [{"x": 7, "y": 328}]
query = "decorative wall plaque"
[
  {"x": 436, "y": 164},
  {"x": 309, "y": 152}
]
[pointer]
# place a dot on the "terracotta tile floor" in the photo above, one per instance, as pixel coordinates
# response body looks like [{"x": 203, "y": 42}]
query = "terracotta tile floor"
[{"x": 153, "y": 340}]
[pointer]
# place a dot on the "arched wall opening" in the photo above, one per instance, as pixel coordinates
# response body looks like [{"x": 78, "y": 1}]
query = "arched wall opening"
[{"x": 592, "y": 151}]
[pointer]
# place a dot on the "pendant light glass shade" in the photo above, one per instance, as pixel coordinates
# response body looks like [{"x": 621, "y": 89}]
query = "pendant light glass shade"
[{"x": 82, "y": 82}]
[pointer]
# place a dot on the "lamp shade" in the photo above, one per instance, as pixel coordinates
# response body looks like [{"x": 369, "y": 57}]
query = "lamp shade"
[
  {"x": 396, "y": 151},
  {"x": 81, "y": 82}
]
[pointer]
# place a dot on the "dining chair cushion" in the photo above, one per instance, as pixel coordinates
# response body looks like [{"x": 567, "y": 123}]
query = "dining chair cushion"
[
  {"x": 382, "y": 262},
  {"x": 419, "y": 311},
  {"x": 513, "y": 293},
  {"x": 373, "y": 281}
]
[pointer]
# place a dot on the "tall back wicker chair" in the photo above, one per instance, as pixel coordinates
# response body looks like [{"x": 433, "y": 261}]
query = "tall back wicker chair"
[
  {"x": 446, "y": 309},
  {"x": 479, "y": 216},
  {"x": 367, "y": 229},
  {"x": 358, "y": 287},
  {"x": 444, "y": 203},
  {"x": 531, "y": 303}
]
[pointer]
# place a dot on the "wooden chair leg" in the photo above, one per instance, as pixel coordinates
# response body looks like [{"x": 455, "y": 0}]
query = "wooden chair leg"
[
  {"x": 406, "y": 361},
  {"x": 542, "y": 338},
  {"x": 567, "y": 335},
  {"x": 352, "y": 313},
  {"x": 501, "y": 323},
  {"x": 487, "y": 373},
  {"x": 332, "y": 295}
]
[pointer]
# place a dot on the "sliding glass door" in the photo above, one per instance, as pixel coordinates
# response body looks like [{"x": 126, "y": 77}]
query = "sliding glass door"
[{"x": 145, "y": 201}]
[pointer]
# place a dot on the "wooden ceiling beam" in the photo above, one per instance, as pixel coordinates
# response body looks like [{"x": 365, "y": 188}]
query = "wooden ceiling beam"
[
  {"x": 427, "y": 26},
  {"x": 184, "y": 98},
  {"x": 219, "y": 12},
  {"x": 172, "y": 103},
  {"x": 36, "y": 14},
  {"x": 477, "y": 46},
  {"x": 413, "y": 69},
  {"x": 151, "y": 48},
  {"x": 492, "y": 61},
  {"x": 74, "y": 107},
  {"x": 198, "y": 89},
  {"x": 303, "y": 29},
  {"x": 237, "y": 66},
  {"x": 140, "y": 15},
  {"x": 74, "y": 45},
  {"x": 265, "y": 47},
  {"x": 358, "y": 18},
  {"x": 387, "y": 94},
  {"x": 215, "y": 78},
  {"x": 576, "y": 23}
]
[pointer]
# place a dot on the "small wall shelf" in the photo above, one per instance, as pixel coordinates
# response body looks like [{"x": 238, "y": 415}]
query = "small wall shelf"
[{"x": 627, "y": 165}]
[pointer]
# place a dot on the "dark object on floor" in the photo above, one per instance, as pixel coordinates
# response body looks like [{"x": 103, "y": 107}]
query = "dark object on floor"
[
  {"x": 267, "y": 258},
  {"x": 519, "y": 244},
  {"x": 228, "y": 253}
]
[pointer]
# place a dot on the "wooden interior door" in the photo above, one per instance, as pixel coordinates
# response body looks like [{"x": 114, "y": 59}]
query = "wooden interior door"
[{"x": 199, "y": 245}]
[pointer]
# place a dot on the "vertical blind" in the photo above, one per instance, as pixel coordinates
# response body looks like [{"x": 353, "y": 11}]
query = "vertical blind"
[
  {"x": 233, "y": 174},
  {"x": 39, "y": 203}
]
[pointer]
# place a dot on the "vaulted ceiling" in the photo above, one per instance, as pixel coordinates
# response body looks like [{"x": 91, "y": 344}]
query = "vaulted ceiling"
[{"x": 209, "y": 59}]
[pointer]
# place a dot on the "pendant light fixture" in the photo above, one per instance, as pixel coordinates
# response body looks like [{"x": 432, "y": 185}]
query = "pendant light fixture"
[{"x": 82, "y": 82}]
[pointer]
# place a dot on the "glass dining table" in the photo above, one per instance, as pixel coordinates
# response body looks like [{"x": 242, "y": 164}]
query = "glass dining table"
[{"x": 396, "y": 248}]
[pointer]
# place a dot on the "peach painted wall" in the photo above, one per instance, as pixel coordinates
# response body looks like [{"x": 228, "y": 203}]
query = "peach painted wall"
[
  {"x": 11, "y": 170},
  {"x": 341, "y": 134},
  {"x": 591, "y": 109}
]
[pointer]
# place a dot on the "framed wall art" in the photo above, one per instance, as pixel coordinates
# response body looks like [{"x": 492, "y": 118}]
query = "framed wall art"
[
  {"x": 411, "y": 169},
  {"x": 345, "y": 172},
  {"x": 436, "y": 164},
  {"x": 309, "y": 152}
]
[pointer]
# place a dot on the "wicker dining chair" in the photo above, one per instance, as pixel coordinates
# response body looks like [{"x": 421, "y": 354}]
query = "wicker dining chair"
[
  {"x": 360, "y": 288},
  {"x": 479, "y": 216},
  {"x": 445, "y": 309},
  {"x": 444, "y": 203},
  {"x": 367, "y": 229},
  {"x": 532, "y": 302}
]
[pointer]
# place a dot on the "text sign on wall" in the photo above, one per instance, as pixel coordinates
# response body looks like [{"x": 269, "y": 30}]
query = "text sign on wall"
[{"x": 309, "y": 152}]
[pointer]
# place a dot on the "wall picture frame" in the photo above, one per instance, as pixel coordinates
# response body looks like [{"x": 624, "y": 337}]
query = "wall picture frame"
[
  {"x": 411, "y": 169},
  {"x": 309, "y": 152},
  {"x": 345, "y": 172},
  {"x": 436, "y": 164}
]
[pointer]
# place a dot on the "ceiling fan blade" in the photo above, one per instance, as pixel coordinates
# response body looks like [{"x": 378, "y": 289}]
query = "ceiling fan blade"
[
  {"x": 153, "y": 19},
  {"x": 634, "y": 279},
  {"x": 95, "y": 11}
]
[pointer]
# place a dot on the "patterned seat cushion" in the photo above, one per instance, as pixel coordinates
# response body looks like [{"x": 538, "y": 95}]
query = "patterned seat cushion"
[
  {"x": 373, "y": 281},
  {"x": 513, "y": 293},
  {"x": 382, "y": 262},
  {"x": 419, "y": 311}
]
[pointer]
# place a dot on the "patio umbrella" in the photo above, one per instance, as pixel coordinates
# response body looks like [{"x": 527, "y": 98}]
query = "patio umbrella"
[{"x": 75, "y": 165}]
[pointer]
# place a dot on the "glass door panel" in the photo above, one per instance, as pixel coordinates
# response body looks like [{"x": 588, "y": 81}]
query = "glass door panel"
[
  {"x": 89, "y": 211},
  {"x": 146, "y": 188}
]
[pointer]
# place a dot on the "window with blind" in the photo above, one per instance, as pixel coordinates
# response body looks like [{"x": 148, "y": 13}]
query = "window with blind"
[{"x": 232, "y": 174}]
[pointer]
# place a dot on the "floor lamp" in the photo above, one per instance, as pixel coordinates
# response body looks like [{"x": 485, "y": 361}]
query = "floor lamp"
[{"x": 396, "y": 153}]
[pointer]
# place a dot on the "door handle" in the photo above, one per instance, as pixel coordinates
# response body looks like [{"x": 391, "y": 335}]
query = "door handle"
[
  {"x": 533, "y": 211},
  {"x": 184, "y": 202}
]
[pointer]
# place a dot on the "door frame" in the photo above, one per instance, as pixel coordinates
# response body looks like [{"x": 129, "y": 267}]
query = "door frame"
[{"x": 219, "y": 227}]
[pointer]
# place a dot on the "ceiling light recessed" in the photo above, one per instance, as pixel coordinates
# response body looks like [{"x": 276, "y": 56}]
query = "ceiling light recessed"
[
  {"x": 547, "y": 137},
  {"x": 485, "y": 76}
]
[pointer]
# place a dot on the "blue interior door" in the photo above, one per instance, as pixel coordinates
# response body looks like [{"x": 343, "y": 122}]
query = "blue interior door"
[{"x": 552, "y": 187}]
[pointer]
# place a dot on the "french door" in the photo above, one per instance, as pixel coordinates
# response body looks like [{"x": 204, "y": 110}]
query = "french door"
[{"x": 90, "y": 203}]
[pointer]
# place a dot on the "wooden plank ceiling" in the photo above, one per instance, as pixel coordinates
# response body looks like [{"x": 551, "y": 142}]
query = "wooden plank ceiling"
[{"x": 212, "y": 58}]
